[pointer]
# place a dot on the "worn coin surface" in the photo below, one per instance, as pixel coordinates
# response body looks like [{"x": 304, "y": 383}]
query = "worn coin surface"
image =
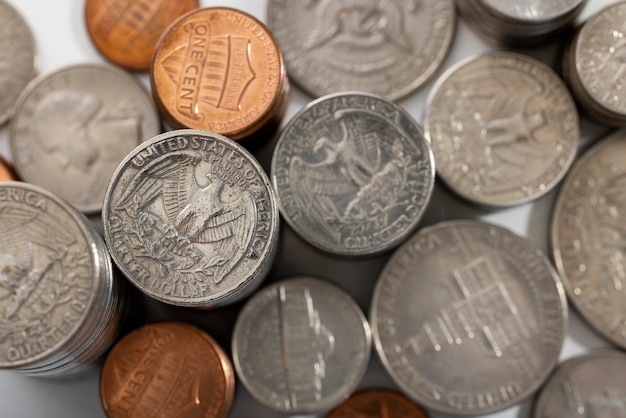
[
  {"x": 301, "y": 345},
  {"x": 219, "y": 69},
  {"x": 74, "y": 125},
  {"x": 592, "y": 385},
  {"x": 353, "y": 173},
  {"x": 191, "y": 219},
  {"x": 19, "y": 60},
  {"x": 377, "y": 403},
  {"x": 589, "y": 235},
  {"x": 503, "y": 128},
  {"x": 51, "y": 277},
  {"x": 127, "y": 32},
  {"x": 389, "y": 47},
  {"x": 167, "y": 369},
  {"x": 468, "y": 318}
]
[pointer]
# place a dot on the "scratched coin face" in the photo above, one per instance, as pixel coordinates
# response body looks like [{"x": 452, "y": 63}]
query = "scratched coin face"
[
  {"x": 353, "y": 174},
  {"x": 503, "y": 128},
  {"x": 468, "y": 318},
  {"x": 588, "y": 237},
  {"x": 593, "y": 385},
  {"x": 191, "y": 219},
  {"x": 167, "y": 369},
  {"x": 301, "y": 345},
  {"x": 50, "y": 276},
  {"x": 388, "y": 48}
]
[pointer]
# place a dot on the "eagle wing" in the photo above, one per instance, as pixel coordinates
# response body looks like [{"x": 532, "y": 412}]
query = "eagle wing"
[
  {"x": 171, "y": 176},
  {"x": 232, "y": 228}
]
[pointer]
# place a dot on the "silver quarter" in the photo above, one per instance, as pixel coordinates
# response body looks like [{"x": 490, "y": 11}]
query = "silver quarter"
[
  {"x": 301, "y": 345},
  {"x": 593, "y": 385},
  {"x": 19, "y": 60},
  {"x": 468, "y": 318},
  {"x": 588, "y": 236},
  {"x": 503, "y": 128},
  {"x": 385, "y": 47},
  {"x": 532, "y": 10},
  {"x": 73, "y": 126},
  {"x": 191, "y": 219},
  {"x": 353, "y": 174},
  {"x": 59, "y": 306}
]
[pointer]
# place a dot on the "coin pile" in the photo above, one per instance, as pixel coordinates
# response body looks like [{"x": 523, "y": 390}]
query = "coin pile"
[
  {"x": 60, "y": 306},
  {"x": 594, "y": 65},
  {"x": 520, "y": 22}
]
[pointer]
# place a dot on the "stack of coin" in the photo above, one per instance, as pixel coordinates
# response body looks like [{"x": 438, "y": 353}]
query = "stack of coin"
[
  {"x": 519, "y": 22},
  {"x": 167, "y": 369},
  {"x": 60, "y": 307},
  {"x": 301, "y": 345},
  {"x": 594, "y": 65},
  {"x": 220, "y": 70},
  {"x": 388, "y": 48},
  {"x": 191, "y": 219},
  {"x": 353, "y": 174}
]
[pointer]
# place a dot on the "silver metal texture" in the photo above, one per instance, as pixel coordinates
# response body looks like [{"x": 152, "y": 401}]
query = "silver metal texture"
[
  {"x": 60, "y": 307},
  {"x": 74, "y": 125},
  {"x": 588, "y": 234},
  {"x": 353, "y": 174},
  {"x": 301, "y": 345},
  {"x": 592, "y": 385},
  {"x": 468, "y": 318},
  {"x": 503, "y": 128},
  {"x": 384, "y": 47},
  {"x": 19, "y": 60},
  {"x": 191, "y": 219}
]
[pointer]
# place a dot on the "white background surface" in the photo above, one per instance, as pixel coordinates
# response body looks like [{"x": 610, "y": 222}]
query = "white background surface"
[{"x": 60, "y": 33}]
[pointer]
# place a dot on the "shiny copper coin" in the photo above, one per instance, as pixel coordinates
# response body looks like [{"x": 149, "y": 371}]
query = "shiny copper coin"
[
  {"x": 220, "y": 70},
  {"x": 127, "y": 32},
  {"x": 167, "y": 369},
  {"x": 6, "y": 171},
  {"x": 377, "y": 403}
]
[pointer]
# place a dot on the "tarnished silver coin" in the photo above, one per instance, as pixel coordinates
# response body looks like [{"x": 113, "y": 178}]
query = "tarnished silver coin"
[
  {"x": 59, "y": 305},
  {"x": 19, "y": 60},
  {"x": 73, "y": 126},
  {"x": 191, "y": 219},
  {"x": 353, "y": 174},
  {"x": 468, "y": 318},
  {"x": 588, "y": 235},
  {"x": 592, "y": 385},
  {"x": 595, "y": 65},
  {"x": 301, "y": 345},
  {"x": 385, "y": 47},
  {"x": 503, "y": 128}
]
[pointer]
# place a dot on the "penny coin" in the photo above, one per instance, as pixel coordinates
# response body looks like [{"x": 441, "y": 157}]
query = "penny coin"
[
  {"x": 468, "y": 318},
  {"x": 377, "y": 403},
  {"x": 301, "y": 345},
  {"x": 353, "y": 174},
  {"x": 220, "y": 70},
  {"x": 74, "y": 125},
  {"x": 592, "y": 385},
  {"x": 503, "y": 128},
  {"x": 7, "y": 173},
  {"x": 19, "y": 59},
  {"x": 167, "y": 369},
  {"x": 191, "y": 219},
  {"x": 59, "y": 306},
  {"x": 387, "y": 48},
  {"x": 588, "y": 233},
  {"x": 127, "y": 32}
]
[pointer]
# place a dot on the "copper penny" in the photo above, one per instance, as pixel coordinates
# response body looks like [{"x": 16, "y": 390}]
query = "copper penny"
[
  {"x": 6, "y": 171},
  {"x": 220, "y": 70},
  {"x": 126, "y": 32},
  {"x": 377, "y": 403},
  {"x": 167, "y": 369}
]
